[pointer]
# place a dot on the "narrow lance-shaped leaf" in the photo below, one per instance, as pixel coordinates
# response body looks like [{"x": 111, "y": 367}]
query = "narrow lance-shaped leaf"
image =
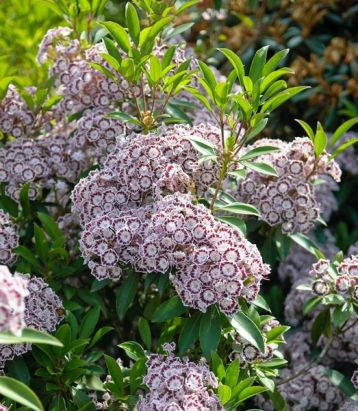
[
  {"x": 307, "y": 128},
  {"x": 29, "y": 336},
  {"x": 236, "y": 63},
  {"x": 262, "y": 168},
  {"x": 240, "y": 208},
  {"x": 341, "y": 130},
  {"x": 259, "y": 151},
  {"x": 119, "y": 34},
  {"x": 133, "y": 24}
]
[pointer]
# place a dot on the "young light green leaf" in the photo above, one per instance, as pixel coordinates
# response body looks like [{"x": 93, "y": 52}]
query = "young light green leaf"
[
  {"x": 19, "y": 392},
  {"x": 320, "y": 140},
  {"x": 224, "y": 393},
  {"x": 29, "y": 336},
  {"x": 208, "y": 75},
  {"x": 204, "y": 147},
  {"x": 236, "y": 63},
  {"x": 344, "y": 147},
  {"x": 133, "y": 24},
  {"x": 257, "y": 129},
  {"x": 272, "y": 103},
  {"x": 341, "y": 130},
  {"x": 258, "y": 63},
  {"x": 307, "y": 128},
  {"x": 274, "y": 61},
  {"x": 248, "y": 330},
  {"x": 119, "y": 34}
]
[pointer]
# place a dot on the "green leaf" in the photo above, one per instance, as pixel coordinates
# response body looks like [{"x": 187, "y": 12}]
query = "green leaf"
[
  {"x": 203, "y": 146},
  {"x": 236, "y": 63},
  {"x": 274, "y": 61},
  {"x": 89, "y": 322},
  {"x": 342, "y": 129},
  {"x": 344, "y": 147},
  {"x": 19, "y": 392},
  {"x": 249, "y": 392},
  {"x": 119, "y": 34},
  {"x": 207, "y": 75},
  {"x": 311, "y": 304},
  {"x": 342, "y": 314},
  {"x": 144, "y": 332},
  {"x": 29, "y": 336},
  {"x": 124, "y": 117},
  {"x": 320, "y": 140},
  {"x": 272, "y": 78},
  {"x": 259, "y": 151},
  {"x": 133, "y": 24},
  {"x": 134, "y": 350},
  {"x": 262, "y": 168},
  {"x": 26, "y": 254},
  {"x": 306, "y": 243},
  {"x": 262, "y": 303},
  {"x": 189, "y": 333},
  {"x": 247, "y": 329},
  {"x": 126, "y": 294},
  {"x": 276, "y": 333},
  {"x": 50, "y": 226},
  {"x": 169, "y": 310},
  {"x": 307, "y": 128},
  {"x": 278, "y": 401},
  {"x": 272, "y": 103},
  {"x": 321, "y": 325},
  {"x": 210, "y": 331},
  {"x": 342, "y": 382},
  {"x": 240, "y": 208},
  {"x": 258, "y": 63},
  {"x": 100, "y": 334},
  {"x": 224, "y": 393},
  {"x": 257, "y": 129},
  {"x": 234, "y": 222},
  {"x": 232, "y": 373},
  {"x": 115, "y": 372}
]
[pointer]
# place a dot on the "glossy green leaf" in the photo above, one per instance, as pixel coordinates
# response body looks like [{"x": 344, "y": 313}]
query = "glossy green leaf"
[
  {"x": 247, "y": 329},
  {"x": 259, "y": 151},
  {"x": 169, "y": 310},
  {"x": 274, "y": 61},
  {"x": 119, "y": 34},
  {"x": 240, "y": 208},
  {"x": 89, "y": 322},
  {"x": 261, "y": 168},
  {"x": 19, "y": 392},
  {"x": 29, "y": 335},
  {"x": 144, "y": 332},
  {"x": 236, "y": 63},
  {"x": 224, "y": 393},
  {"x": 126, "y": 294},
  {"x": 134, "y": 350},
  {"x": 258, "y": 63},
  {"x": 210, "y": 331},
  {"x": 341, "y": 130},
  {"x": 132, "y": 21},
  {"x": 307, "y": 128},
  {"x": 189, "y": 333}
]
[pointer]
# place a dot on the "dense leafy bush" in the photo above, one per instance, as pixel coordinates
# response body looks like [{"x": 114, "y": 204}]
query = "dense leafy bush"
[{"x": 153, "y": 215}]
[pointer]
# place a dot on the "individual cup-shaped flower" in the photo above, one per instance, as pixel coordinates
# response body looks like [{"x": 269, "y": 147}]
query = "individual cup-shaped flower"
[
  {"x": 178, "y": 384},
  {"x": 12, "y": 301},
  {"x": 320, "y": 287}
]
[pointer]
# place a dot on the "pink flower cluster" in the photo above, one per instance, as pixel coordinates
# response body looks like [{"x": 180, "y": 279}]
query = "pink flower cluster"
[
  {"x": 12, "y": 301},
  {"x": 342, "y": 280},
  {"x": 9, "y": 239},
  {"x": 289, "y": 199},
  {"x": 17, "y": 119},
  {"x": 144, "y": 169},
  {"x": 178, "y": 384},
  {"x": 97, "y": 134},
  {"x": 43, "y": 311},
  {"x": 81, "y": 85},
  {"x": 213, "y": 262}
]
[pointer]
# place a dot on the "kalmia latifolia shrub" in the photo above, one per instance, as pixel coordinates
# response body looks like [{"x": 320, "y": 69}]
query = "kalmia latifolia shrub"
[{"x": 157, "y": 233}]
